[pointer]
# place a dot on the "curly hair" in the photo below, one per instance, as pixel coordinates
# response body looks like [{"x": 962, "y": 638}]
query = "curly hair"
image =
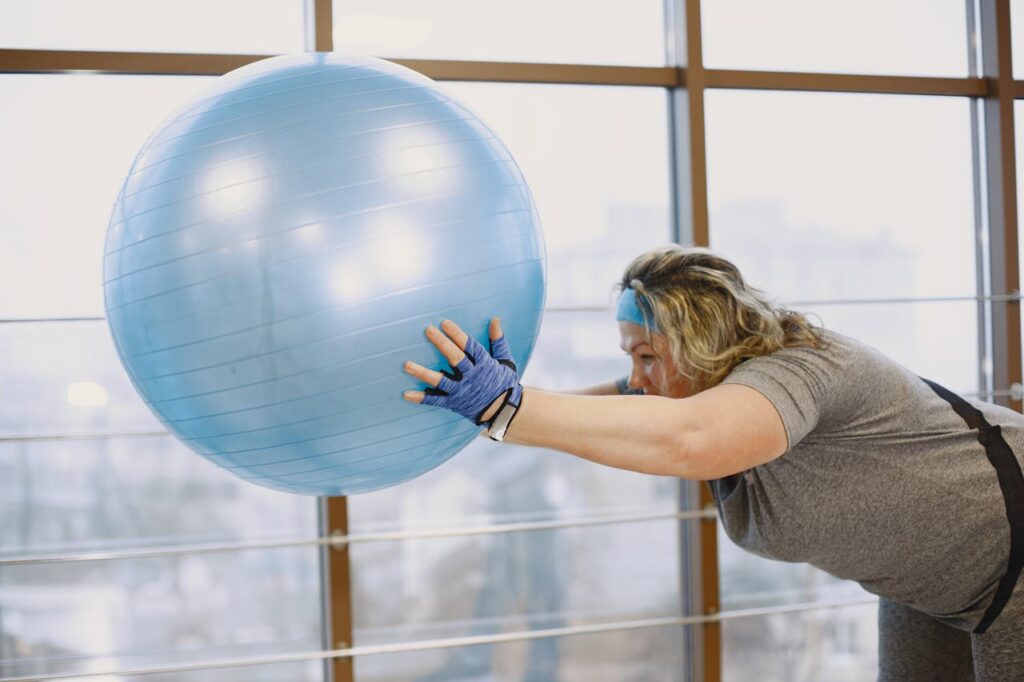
[{"x": 713, "y": 320}]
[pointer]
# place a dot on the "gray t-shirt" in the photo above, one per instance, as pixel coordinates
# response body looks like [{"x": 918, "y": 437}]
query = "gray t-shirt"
[{"x": 882, "y": 482}]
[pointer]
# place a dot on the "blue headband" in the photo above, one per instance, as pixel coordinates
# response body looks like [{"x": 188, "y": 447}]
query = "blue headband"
[{"x": 629, "y": 311}]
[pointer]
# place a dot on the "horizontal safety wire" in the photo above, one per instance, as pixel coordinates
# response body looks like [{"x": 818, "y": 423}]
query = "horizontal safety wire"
[
  {"x": 997, "y": 298},
  {"x": 338, "y": 541},
  {"x": 454, "y": 642}
]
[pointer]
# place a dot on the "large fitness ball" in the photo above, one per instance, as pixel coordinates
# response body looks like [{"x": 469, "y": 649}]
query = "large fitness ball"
[{"x": 279, "y": 247}]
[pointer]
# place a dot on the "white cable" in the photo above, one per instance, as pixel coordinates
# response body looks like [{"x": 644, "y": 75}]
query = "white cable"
[
  {"x": 455, "y": 642},
  {"x": 338, "y": 541}
]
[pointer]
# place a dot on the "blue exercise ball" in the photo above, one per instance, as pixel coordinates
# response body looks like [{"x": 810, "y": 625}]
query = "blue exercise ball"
[{"x": 278, "y": 248}]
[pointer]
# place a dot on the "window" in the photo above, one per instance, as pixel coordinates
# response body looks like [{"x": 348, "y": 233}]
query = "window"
[
  {"x": 221, "y": 26},
  {"x": 69, "y": 141},
  {"x": 596, "y": 159},
  {"x": 65, "y": 488},
  {"x": 826, "y": 198},
  {"x": 854, "y": 37},
  {"x": 619, "y": 32}
]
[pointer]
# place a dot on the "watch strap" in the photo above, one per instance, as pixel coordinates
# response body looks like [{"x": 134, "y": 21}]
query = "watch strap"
[{"x": 503, "y": 418}]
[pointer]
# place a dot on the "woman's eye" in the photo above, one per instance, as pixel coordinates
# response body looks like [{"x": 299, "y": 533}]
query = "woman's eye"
[{"x": 647, "y": 358}]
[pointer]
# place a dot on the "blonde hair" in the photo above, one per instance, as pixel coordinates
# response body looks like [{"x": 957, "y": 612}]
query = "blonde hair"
[{"x": 713, "y": 320}]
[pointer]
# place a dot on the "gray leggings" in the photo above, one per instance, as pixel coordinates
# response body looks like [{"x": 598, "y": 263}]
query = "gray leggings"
[{"x": 913, "y": 646}]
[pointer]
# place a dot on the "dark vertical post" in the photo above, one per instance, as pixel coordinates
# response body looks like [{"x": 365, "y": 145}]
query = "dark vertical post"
[
  {"x": 337, "y": 589},
  {"x": 698, "y": 540},
  {"x": 695, "y": 85},
  {"x": 700, "y": 232},
  {"x": 323, "y": 25}
]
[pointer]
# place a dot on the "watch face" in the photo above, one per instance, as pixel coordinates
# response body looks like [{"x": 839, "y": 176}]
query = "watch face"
[{"x": 501, "y": 421}]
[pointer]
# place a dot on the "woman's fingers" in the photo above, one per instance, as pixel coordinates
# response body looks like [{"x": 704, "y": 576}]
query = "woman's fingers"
[
  {"x": 452, "y": 353},
  {"x": 455, "y": 332},
  {"x": 451, "y": 341},
  {"x": 428, "y": 376}
]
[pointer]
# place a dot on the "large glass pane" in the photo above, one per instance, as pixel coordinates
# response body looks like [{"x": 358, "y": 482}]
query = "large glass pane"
[
  {"x": 827, "y": 644},
  {"x": 68, "y": 141},
  {"x": 73, "y": 368},
  {"x": 570, "y": 31},
  {"x": 596, "y": 159},
  {"x": 936, "y": 340},
  {"x": 910, "y": 37},
  {"x": 748, "y": 581},
  {"x": 648, "y": 655},
  {"x": 486, "y": 584},
  {"x": 222, "y": 26},
  {"x": 59, "y": 497},
  {"x": 842, "y": 196},
  {"x": 62, "y": 496},
  {"x": 840, "y": 645},
  {"x": 95, "y": 616}
]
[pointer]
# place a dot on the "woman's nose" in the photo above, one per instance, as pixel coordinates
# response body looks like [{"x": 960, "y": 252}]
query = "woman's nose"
[{"x": 635, "y": 379}]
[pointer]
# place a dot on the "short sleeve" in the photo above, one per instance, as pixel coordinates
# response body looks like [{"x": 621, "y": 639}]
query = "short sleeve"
[{"x": 799, "y": 382}]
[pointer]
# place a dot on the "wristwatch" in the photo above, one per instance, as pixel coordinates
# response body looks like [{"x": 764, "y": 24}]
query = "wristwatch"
[{"x": 503, "y": 418}]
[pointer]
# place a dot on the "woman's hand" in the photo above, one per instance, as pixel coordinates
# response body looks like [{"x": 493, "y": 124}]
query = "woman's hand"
[{"x": 479, "y": 383}]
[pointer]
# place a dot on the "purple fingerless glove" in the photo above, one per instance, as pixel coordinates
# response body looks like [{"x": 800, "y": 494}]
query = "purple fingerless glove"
[{"x": 477, "y": 381}]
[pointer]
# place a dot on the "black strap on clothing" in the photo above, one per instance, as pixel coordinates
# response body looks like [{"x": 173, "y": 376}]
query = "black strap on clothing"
[{"x": 1011, "y": 482}]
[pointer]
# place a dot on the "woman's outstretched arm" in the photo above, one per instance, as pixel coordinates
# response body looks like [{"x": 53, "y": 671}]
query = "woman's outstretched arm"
[
  {"x": 646, "y": 434},
  {"x": 715, "y": 433},
  {"x": 721, "y": 431}
]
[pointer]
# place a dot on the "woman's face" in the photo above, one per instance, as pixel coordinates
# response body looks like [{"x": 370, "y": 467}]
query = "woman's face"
[{"x": 653, "y": 370}]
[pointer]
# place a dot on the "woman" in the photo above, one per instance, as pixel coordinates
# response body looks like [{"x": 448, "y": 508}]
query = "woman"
[{"x": 817, "y": 448}]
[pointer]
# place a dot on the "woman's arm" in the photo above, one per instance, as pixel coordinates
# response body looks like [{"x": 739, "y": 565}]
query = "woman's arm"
[
  {"x": 715, "y": 433},
  {"x": 718, "y": 432},
  {"x": 638, "y": 433}
]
